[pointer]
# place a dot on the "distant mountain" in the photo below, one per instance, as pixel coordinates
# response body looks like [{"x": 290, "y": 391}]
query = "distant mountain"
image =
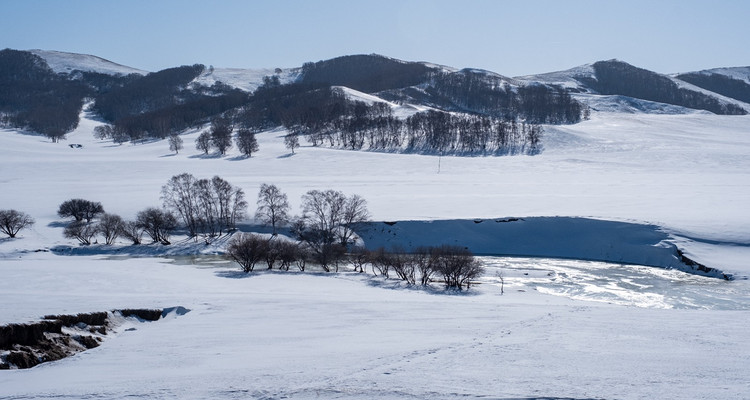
[
  {"x": 345, "y": 98},
  {"x": 617, "y": 78},
  {"x": 730, "y": 82}
]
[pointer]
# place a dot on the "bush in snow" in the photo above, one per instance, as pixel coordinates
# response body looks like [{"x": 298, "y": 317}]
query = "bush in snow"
[
  {"x": 12, "y": 221},
  {"x": 157, "y": 223},
  {"x": 110, "y": 226},
  {"x": 247, "y": 250},
  {"x": 80, "y": 209},
  {"x": 456, "y": 265},
  {"x": 84, "y": 232},
  {"x": 132, "y": 231}
]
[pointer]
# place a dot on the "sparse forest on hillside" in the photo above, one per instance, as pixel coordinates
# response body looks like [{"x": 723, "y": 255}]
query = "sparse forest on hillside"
[
  {"x": 470, "y": 112},
  {"x": 616, "y": 77}
]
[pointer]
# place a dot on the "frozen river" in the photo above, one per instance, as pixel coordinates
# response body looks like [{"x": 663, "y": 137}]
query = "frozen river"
[
  {"x": 632, "y": 285},
  {"x": 624, "y": 284}
]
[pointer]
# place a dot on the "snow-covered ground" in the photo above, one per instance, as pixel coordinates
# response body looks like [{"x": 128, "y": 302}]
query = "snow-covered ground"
[
  {"x": 62, "y": 62},
  {"x": 295, "y": 335}
]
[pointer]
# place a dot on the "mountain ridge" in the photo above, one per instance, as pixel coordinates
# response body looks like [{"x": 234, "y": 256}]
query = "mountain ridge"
[{"x": 157, "y": 103}]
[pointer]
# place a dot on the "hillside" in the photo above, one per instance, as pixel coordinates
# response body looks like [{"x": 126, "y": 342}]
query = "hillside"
[
  {"x": 408, "y": 107},
  {"x": 617, "y": 78}
]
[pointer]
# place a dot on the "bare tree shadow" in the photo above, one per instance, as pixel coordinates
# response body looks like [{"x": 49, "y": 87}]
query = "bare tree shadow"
[
  {"x": 288, "y": 155},
  {"x": 235, "y": 274},
  {"x": 207, "y": 156},
  {"x": 435, "y": 289}
]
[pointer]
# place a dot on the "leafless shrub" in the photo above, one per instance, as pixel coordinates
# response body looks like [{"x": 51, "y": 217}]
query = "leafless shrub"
[
  {"x": 81, "y": 231},
  {"x": 247, "y": 250},
  {"x": 12, "y": 221}
]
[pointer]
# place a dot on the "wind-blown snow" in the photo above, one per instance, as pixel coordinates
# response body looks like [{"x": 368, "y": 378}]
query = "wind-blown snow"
[{"x": 62, "y": 62}]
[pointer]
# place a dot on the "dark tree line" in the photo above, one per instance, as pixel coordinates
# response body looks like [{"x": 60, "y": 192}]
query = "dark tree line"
[
  {"x": 148, "y": 93},
  {"x": 721, "y": 84},
  {"x": 616, "y": 77},
  {"x": 158, "y": 224},
  {"x": 337, "y": 121},
  {"x": 454, "y": 266},
  {"x": 366, "y": 73},
  {"x": 33, "y": 97}
]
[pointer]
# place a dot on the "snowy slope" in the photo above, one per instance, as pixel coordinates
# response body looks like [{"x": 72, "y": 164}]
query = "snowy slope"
[
  {"x": 62, "y": 62},
  {"x": 567, "y": 78},
  {"x": 739, "y": 73},
  {"x": 353, "y": 336},
  {"x": 399, "y": 110},
  {"x": 245, "y": 79}
]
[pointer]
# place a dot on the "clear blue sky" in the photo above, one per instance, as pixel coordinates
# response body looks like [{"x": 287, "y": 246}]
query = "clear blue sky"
[{"x": 509, "y": 37}]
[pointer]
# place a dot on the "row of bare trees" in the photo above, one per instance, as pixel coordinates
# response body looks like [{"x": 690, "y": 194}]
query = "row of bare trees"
[
  {"x": 205, "y": 206},
  {"x": 454, "y": 266},
  {"x": 156, "y": 223}
]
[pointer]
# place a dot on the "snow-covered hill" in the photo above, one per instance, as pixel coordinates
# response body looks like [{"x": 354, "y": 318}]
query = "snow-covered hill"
[
  {"x": 739, "y": 73},
  {"x": 245, "y": 79},
  {"x": 62, "y": 62}
]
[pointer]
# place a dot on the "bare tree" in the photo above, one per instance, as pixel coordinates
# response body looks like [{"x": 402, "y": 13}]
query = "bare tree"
[
  {"x": 291, "y": 141},
  {"x": 119, "y": 135},
  {"x": 273, "y": 206},
  {"x": 288, "y": 253},
  {"x": 380, "y": 264},
  {"x": 203, "y": 142},
  {"x": 321, "y": 214},
  {"x": 80, "y": 209},
  {"x": 103, "y": 132},
  {"x": 327, "y": 217},
  {"x": 221, "y": 135},
  {"x": 359, "y": 256},
  {"x": 456, "y": 265},
  {"x": 157, "y": 223},
  {"x": 178, "y": 195},
  {"x": 247, "y": 250},
  {"x": 12, "y": 221},
  {"x": 424, "y": 264},
  {"x": 246, "y": 142},
  {"x": 354, "y": 212},
  {"x": 110, "y": 226},
  {"x": 204, "y": 205},
  {"x": 81, "y": 231},
  {"x": 401, "y": 263},
  {"x": 132, "y": 231},
  {"x": 175, "y": 143},
  {"x": 230, "y": 202}
]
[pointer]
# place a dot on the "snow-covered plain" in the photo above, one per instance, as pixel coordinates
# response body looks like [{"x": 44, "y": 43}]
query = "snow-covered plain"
[{"x": 306, "y": 335}]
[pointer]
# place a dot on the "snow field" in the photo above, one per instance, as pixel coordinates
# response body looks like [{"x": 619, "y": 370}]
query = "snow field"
[{"x": 293, "y": 335}]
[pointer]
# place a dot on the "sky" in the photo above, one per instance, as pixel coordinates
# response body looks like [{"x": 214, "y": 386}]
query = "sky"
[{"x": 508, "y": 37}]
